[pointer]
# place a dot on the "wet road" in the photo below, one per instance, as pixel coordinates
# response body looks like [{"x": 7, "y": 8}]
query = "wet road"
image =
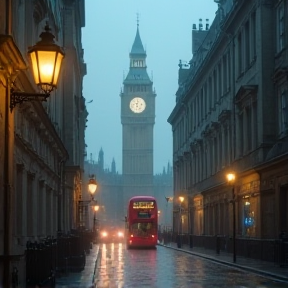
[{"x": 168, "y": 268}]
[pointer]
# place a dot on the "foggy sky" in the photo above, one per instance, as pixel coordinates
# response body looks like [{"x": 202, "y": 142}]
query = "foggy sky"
[{"x": 165, "y": 29}]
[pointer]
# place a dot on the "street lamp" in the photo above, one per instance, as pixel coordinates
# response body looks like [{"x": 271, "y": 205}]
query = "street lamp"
[
  {"x": 158, "y": 220},
  {"x": 45, "y": 75},
  {"x": 231, "y": 181},
  {"x": 181, "y": 199},
  {"x": 96, "y": 208},
  {"x": 46, "y": 58},
  {"x": 92, "y": 186}
]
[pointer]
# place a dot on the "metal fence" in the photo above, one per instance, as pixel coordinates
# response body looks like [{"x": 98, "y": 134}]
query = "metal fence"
[
  {"x": 52, "y": 256},
  {"x": 271, "y": 250}
]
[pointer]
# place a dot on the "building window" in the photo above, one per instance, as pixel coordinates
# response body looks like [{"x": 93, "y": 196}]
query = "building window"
[
  {"x": 249, "y": 218},
  {"x": 249, "y": 128},
  {"x": 253, "y": 36},
  {"x": 225, "y": 81},
  {"x": 255, "y": 126},
  {"x": 239, "y": 60},
  {"x": 241, "y": 136},
  {"x": 280, "y": 27},
  {"x": 283, "y": 110},
  {"x": 247, "y": 45}
]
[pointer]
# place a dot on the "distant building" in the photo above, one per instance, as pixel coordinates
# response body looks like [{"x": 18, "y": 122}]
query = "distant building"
[{"x": 109, "y": 195}]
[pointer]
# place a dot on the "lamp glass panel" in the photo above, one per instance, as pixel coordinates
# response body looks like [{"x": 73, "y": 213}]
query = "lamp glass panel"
[
  {"x": 46, "y": 62},
  {"x": 92, "y": 187},
  {"x": 57, "y": 68},
  {"x": 230, "y": 177},
  {"x": 33, "y": 58}
]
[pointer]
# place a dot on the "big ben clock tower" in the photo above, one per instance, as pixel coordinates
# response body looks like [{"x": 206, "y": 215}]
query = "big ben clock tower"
[{"x": 137, "y": 118}]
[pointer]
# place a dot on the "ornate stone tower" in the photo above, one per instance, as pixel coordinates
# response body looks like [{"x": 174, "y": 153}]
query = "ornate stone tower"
[{"x": 137, "y": 118}]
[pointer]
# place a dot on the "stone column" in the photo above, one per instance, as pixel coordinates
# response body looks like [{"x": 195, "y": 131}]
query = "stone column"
[
  {"x": 245, "y": 131},
  {"x": 48, "y": 209},
  {"x": 254, "y": 124},
  {"x": 41, "y": 208},
  {"x": 223, "y": 146},
  {"x": 24, "y": 204},
  {"x": 19, "y": 195},
  {"x": 33, "y": 203}
]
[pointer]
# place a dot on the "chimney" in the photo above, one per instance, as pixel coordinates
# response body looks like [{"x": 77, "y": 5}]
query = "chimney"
[
  {"x": 207, "y": 24},
  {"x": 194, "y": 27},
  {"x": 200, "y": 24}
]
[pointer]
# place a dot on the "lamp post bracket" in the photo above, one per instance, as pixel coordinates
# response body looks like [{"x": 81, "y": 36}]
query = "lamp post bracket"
[{"x": 20, "y": 97}]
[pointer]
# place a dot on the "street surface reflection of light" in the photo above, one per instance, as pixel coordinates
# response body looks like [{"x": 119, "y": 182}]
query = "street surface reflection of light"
[{"x": 167, "y": 268}]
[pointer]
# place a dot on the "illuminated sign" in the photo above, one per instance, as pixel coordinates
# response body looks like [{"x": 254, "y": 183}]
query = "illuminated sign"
[{"x": 143, "y": 205}]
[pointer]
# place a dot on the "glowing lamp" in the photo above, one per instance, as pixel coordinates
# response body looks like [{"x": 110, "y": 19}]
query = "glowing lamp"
[{"x": 46, "y": 58}]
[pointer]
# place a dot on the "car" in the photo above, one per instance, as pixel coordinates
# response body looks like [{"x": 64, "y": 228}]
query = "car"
[{"x": 111, "y": 235}]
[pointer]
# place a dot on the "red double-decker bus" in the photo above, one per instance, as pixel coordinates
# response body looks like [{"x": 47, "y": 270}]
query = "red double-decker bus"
[{"x": 142, "y": 222}]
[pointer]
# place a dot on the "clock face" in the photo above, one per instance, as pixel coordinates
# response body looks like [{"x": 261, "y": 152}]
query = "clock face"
[{"x": 137, "y": 105}]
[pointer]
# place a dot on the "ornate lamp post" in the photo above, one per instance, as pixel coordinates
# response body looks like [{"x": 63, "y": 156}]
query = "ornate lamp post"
[{"x": 231, "y": 181}]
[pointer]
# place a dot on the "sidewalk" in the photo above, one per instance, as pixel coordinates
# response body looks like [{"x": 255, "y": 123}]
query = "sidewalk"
[
  {"x": 267, "y": 269},
  {"x": 84, "y": 279}
]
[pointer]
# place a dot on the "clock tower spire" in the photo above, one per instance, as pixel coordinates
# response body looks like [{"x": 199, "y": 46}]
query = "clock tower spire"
[{"x": 137, "y": 119}]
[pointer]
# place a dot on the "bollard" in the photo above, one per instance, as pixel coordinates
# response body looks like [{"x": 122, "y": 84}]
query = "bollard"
[
  {"x": 178, "y": 239},
  {"x": 191, "y": 241},
  {"x": 15, "y": 281}
]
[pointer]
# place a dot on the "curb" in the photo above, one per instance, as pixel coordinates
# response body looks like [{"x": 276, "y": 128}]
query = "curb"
[{"x": 96, "y": 270}]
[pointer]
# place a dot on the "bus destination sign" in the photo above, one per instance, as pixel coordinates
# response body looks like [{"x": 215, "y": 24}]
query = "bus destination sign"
[{"x": 143, "y": 205}]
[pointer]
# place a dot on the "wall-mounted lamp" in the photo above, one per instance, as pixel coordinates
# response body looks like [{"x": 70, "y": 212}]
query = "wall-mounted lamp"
[
  {"x": 46, "y": 58},
  {"x": 230, "y": 178}
]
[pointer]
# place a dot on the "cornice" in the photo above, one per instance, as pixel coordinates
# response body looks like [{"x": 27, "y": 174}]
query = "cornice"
[{"x": 11, "y": 59}]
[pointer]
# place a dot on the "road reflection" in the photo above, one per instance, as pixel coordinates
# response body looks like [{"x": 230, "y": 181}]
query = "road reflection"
[{"x": 167, "y": 268}]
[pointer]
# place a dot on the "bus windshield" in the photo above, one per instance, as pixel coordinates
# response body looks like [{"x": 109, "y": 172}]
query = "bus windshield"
[{"x": 143, "y": 229}]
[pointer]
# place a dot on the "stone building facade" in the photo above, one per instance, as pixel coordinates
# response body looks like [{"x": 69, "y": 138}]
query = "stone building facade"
[
  {"x": 41, "y": 143},
  {"x": 231, "y": 115}
]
